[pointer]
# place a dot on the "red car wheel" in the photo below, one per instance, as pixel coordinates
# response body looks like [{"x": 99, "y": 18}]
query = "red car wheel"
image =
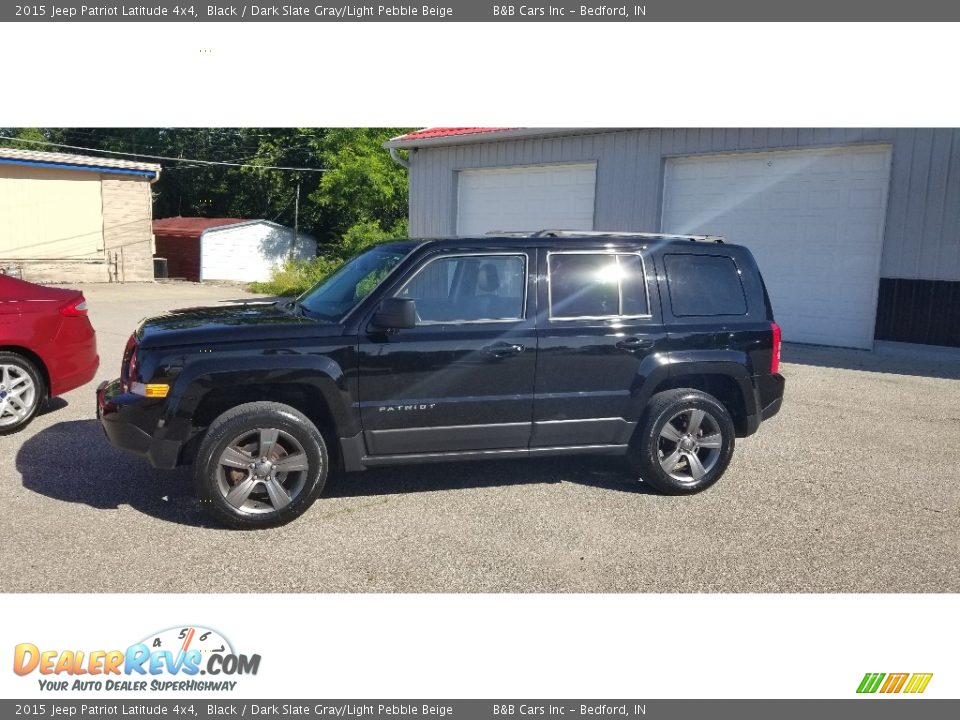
[{"x": 21, "y": 391}]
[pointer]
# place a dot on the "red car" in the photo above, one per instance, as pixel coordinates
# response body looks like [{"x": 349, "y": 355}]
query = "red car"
[{"x": 47, "y": 347}]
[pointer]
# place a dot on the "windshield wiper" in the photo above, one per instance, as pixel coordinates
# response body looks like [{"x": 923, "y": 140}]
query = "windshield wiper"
[{"x": 289, "y": 306}]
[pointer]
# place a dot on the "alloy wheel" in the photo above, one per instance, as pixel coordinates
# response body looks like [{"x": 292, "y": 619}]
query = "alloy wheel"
[
  {"x": 689, "y": 445},
  {"x": 18, "y": 395},
  {"x": 262, "y": 471}
]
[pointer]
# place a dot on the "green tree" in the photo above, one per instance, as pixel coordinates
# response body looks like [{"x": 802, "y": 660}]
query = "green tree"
[
  {"x": 359, "y": 198},
  {"x": 24, "y": 138},
  {"x": 363, "y": 192}
]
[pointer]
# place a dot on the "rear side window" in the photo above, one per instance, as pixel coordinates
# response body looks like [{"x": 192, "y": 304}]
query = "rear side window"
[
  {"x": 703, "y": 285},
  {"x": 596, "y": 285}
]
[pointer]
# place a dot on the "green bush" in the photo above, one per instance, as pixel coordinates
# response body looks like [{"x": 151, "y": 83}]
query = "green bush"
[
  {"x": 365, "y": 234},
  {"x": 297, "y": 276}
]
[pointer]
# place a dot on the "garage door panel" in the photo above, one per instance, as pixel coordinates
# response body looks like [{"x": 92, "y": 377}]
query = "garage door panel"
[
  {"x": 750, "y": 168},
  {"x": 813, "y": 219},
  {"x": 871, "y": 198},
  {"x": 869, "y": 163},
  {"x": 786, "y": 198},
  {"x": 723, "y": 170},
  {"x": 526, "y": 198},
  {"x": 824, "y": 199}
]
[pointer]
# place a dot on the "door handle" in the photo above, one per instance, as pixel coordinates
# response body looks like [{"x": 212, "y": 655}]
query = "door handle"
[
  {"x": 502, "y": 349},
  {"x": 635, "y": 343}
]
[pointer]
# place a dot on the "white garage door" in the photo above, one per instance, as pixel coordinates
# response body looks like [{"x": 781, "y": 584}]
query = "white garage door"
[
  {"x": 526, "y": 198},
  {"x": 812, "y": 218}
]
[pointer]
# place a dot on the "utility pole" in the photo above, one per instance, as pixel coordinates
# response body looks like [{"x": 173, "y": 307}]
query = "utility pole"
[{"x": 296, "y": 224}]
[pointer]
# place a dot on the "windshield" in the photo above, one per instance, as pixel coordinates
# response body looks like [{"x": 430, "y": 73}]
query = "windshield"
[{"x": 333, "y": 298}]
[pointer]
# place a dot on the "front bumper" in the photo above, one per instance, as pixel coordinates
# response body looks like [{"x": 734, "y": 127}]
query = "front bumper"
[{"x": 135, "y": 424}]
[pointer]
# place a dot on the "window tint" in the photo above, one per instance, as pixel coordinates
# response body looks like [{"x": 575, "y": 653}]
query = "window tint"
[
  {"x": 469, "y": 288},
  {"x": 634, "y": 285},
  {"x": 704, "y": 285},
  {"x": 596, "y": 285}
]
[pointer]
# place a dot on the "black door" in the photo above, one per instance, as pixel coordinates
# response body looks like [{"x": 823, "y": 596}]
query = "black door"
[
  {"x": 462, "y": 379},
  {"x": 599, "y": 329}
]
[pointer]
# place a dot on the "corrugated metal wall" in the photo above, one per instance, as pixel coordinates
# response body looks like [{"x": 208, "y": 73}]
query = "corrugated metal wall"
[{"x": 922, "y": 237}]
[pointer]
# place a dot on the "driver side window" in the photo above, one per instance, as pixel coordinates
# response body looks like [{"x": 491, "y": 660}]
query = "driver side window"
[{"x": 469, "y": 288}]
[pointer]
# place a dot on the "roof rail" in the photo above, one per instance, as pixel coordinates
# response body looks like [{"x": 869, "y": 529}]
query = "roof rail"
[{"x": 606, "y": 233}]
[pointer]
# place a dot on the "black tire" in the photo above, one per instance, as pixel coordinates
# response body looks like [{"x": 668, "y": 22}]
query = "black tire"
[
  {"x": 230, "y": 463},
  {"x": 656, "y": 447},
  {"x": 17, "y": 371}
]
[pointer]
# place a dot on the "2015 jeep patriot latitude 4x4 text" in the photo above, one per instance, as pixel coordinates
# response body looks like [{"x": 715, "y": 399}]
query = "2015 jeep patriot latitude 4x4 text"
[{"x": 660, "y": 348}]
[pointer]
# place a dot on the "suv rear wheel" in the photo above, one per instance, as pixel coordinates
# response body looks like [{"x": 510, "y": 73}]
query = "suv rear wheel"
[
  {"x": 684, "y": 442},
  {"x": 261, "y": 464}
]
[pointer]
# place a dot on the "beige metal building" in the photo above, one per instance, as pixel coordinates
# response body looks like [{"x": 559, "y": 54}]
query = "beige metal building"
[{"x": 71, "y": 218}]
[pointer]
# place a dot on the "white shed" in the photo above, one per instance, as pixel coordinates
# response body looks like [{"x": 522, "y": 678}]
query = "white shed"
[{"x": 248, "y": 251}]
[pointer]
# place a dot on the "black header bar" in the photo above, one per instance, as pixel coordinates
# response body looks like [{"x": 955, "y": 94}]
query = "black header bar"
[{"x": 474, "y": 11}]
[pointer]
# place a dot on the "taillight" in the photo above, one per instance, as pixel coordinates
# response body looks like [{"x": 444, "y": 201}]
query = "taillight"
[
  {"x": 775, "y": 358},
  {"x": 75, "y": 308}
]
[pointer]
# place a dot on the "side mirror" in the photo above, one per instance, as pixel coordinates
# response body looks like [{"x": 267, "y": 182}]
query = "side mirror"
[{"x": 396, "y": 314}]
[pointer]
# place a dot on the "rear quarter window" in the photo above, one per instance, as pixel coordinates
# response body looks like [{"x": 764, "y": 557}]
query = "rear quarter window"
[{"x": 703, "y": 285}]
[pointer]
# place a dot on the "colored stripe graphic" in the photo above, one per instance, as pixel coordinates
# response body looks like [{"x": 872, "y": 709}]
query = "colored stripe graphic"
[
  {"x": 870, "y": 682},
  {"x": 894, "y": 682},
  {"x": 918, "y": 683}
]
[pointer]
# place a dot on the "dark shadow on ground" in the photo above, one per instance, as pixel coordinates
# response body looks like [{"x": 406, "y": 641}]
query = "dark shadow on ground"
[
  {"x": 52, "y": 405},
  {"x": 607, "y": 473},
  {"x": 894, "y": 358},
  {"x": 74, "y": 462}
]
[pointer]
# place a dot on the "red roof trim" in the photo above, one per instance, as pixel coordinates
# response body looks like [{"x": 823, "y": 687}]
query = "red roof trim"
[
  {"x": 439, "y": 132},
  {"x": 190, "y": 227}
]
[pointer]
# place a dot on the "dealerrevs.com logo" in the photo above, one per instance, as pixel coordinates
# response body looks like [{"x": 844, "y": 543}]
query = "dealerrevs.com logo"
[{"x": 171, "y": 660}]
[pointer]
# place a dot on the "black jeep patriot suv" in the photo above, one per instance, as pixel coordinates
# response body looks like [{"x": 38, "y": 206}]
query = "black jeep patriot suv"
[{"x": 659, "y": 348}]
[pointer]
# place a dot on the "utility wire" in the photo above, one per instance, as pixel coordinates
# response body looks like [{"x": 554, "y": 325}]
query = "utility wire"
[
  {"x": 161, "y": 157},
  {"x": 284, "y": 151}
]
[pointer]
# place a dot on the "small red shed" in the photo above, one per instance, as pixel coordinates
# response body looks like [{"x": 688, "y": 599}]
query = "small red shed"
[{"x": 178, "y": 240}]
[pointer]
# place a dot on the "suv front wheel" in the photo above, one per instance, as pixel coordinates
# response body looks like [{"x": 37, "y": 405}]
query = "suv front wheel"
[
  {"x": 684, "y": 442},
  {"x": 260, "y": 464}
]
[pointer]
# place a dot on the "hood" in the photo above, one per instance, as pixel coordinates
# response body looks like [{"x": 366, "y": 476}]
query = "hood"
[{"x": 228, "y": 323}]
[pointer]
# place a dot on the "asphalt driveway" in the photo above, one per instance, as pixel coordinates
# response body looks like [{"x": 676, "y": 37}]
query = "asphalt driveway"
[{"x": 854, "y": 487}]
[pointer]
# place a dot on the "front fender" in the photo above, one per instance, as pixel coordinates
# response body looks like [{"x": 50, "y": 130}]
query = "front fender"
[{"x": 200, "y": 377}]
